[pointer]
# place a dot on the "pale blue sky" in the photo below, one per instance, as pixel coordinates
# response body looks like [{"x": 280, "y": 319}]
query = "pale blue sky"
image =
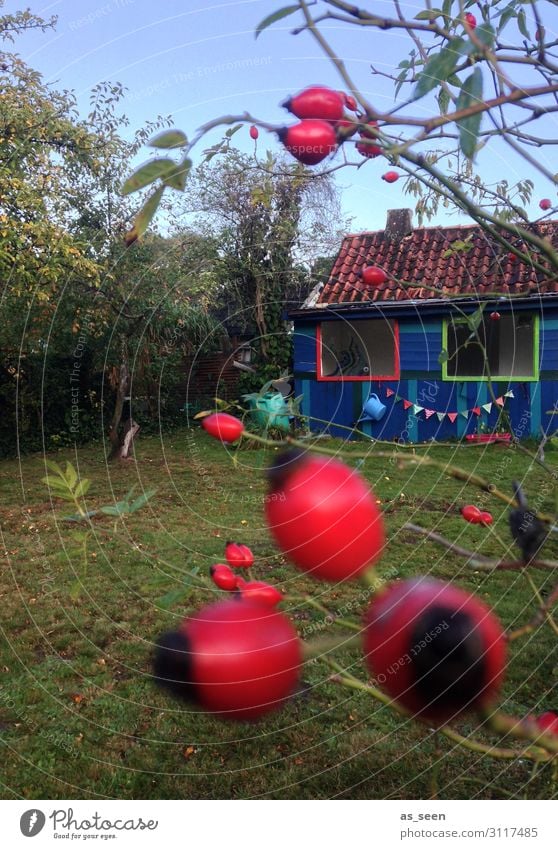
[{"x": 198, "y": 60}]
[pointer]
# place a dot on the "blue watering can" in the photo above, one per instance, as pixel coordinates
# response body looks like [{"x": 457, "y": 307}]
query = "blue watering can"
[{"x": 373, "y": 409}]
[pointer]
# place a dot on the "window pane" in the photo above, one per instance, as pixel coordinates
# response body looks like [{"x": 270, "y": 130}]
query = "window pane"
[
  {"x": 509, "y": 344},
  {"x": 358, "y": 348},
  {"x": 516, "y": 346}
]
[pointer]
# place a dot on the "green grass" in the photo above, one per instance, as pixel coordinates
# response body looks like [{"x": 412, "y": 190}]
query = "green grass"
[{"x": 79, "y": 716}]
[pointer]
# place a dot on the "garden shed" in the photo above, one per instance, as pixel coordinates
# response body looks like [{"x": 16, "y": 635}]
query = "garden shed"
[{"x": 407, "y": 338}]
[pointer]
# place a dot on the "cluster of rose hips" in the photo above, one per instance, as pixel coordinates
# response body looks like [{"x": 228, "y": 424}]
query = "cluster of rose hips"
[
  {"x": 472, "y": 514},
  {"x": 433, "y": 648},
  {"x": 324, "y": 125}
]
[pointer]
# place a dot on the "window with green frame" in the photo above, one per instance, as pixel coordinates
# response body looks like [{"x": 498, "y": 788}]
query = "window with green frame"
[{"x": 511, "y": 344}]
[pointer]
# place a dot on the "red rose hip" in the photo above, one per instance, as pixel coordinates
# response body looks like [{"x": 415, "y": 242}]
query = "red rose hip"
[
  {"x": 261, "y": 592},
  {"x": 237, "y": 658},
  {"x": 325, "y": 519},
  {"x": 223, "y": 426},
  {"x": 238, "y": 556},
  {"x": 471, "y": 514},
  {"x": 223, "y": 577},
  {"x": 435, "y": 649},
  {"x": 373, "y": 275},
  {"x": 317, "y": 102},
  {"x": 310, "y": 141},
  {"x": 391, "y": 176},
  {"x": 254, "y": 133},
  {"x": 545, "y": 204}
]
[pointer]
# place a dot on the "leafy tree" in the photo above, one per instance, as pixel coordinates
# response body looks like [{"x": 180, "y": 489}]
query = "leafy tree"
[{"x": 267, "y": 218}]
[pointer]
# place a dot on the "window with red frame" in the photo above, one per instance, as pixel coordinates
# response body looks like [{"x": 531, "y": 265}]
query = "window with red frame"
[{"x": 358, "y": 350}]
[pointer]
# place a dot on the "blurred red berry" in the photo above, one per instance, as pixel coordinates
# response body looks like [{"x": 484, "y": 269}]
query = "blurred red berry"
[
  {"x": 485, "y": 518},
  {"x": 545, "y": 204},
  {"x": 223, "y": 426},
  {"x": 254, "y": 133},
  {"x": 471, "y": 514},
  {"x": 435, "y": 649},
  {"x": 223, "y": 577},
  {"x": 373, "y": 275},
  {"x": 325, "y": 519},
  {"x": 495, "y": 316},
  {"x": 391, "y": 176},
  {"x": 548, "y": 722},
  {"x": 238, "y": 556},
  {"x": 471, "y": 20},
  {"x": 236, "y": 658},
  {"x": 261, "y": 592}
]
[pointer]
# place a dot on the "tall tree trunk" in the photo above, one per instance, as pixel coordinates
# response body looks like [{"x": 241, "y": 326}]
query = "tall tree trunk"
[{"x": 122, "y": 441}]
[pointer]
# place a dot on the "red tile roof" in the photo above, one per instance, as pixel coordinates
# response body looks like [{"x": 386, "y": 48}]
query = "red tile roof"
[{"x": 421, "y": 259}]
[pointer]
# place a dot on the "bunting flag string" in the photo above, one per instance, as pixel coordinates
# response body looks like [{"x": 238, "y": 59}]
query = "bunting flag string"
[{"x": 452, "y": 415}]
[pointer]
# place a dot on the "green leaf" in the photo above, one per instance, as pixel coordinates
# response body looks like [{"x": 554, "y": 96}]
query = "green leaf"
[
  {"x": 71, "y": 475},
  {"x": 82, "y": 488},
  {"x": 474, "y": 320},
  {"x": 232, "y": 130},
  {"x": 439, "y": 67},
  {"x": 172, "y": 597},
  {"x": 54, "y": 467},
  {"x": 117, "y": 509},
  {"x": 169, "y": 139},
  {"x": 55, "y": 483},
  {"x": 75, "y": 590},
  {"x": 76, "y": 517},
  {"x": 143, "y": 499},
  {"x": 443, "y": 101},
  {"x": 508, "y": 13},
  {"x": 274, "y": 17},
  {"x": 147, "y": 174},
  {"x": 443, "y": 356},
  {"x": 179, "y": 594},
  {"x": 144, "y": 216},
  {"x": 177, "y": 179},
  {"x": 470, "y": 94},
  {"x": 485, "y": 34},
  {"x": 522, "y": 24},
  {"x": 429, "y": 14}
]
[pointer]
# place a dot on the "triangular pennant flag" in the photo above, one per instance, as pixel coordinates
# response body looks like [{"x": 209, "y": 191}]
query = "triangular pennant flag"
[
  {"x": 397, "y": 398},
  {"x": 407, "y": 404},
  {"x": 500, "y": 401},
  {"x": 440, "y": 416},
  {"x": 476, "y": 411},
  {"x": 417, "y": 409},
  {"x": 452, "y": 417},
  {"x": 428, "y": 413},
  {"x": 464, "y": 413},
  {"x": 389, "y": 392},
  {"x": 487, "y": 407},
  {"x": 509, "y": 394}
]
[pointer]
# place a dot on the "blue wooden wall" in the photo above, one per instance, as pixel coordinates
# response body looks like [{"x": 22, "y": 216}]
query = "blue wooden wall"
[{"x": 340, "y": 402}]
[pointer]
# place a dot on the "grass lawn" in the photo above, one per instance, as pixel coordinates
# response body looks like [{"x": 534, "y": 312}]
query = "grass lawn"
[{"x": 79, "y": 716}]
